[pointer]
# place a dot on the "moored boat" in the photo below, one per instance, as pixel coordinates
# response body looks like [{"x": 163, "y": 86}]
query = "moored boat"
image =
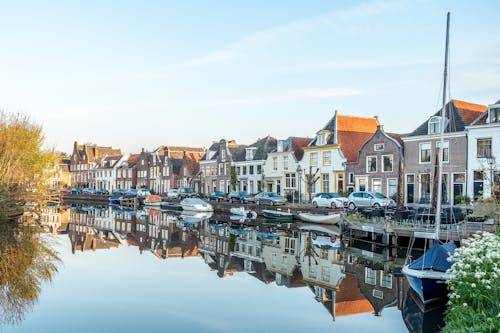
[
  {"x": 319, "y": 218},
  {"x": 196, "y": 204},
  {"x": 153, "y": 200},
  {"x": 242, "y": 212},
  {"x": 277, "y": 215}
]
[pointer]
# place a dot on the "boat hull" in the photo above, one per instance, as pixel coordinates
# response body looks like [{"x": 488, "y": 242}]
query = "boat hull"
[
  {"x": 275, "y": 215},
  {"x": 320, "y": 219},
  {"x": 429, "y": 287}
]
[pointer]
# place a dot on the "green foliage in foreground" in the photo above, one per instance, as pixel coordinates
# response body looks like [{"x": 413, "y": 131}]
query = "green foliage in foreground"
[
  {"x": 24, "y": 164},
  {"x": 474, "y": 304}
]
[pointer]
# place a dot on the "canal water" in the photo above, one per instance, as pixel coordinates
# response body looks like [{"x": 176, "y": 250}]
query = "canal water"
[{"x": 104, "y": 269}]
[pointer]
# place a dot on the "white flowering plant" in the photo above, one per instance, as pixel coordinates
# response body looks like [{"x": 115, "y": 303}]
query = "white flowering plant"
[{"x": 474, "y": 286}]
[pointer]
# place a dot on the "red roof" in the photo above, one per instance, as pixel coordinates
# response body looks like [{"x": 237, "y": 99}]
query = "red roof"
[
  {"x": 469, "y": 111},
  {"x": 356, "y": 124},
  {"x": 298, "y": 145},
  {"x": 351, "y": 142}
]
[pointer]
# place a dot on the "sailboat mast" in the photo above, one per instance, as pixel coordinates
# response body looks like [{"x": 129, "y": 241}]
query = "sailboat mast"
[{"x": 443, "y": 124}]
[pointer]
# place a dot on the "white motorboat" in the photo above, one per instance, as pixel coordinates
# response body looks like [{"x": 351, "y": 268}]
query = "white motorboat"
[
  {"x": 242, "y": 212},
  {"x": 320, "y": 218},
  {"x": 196, "y": 204},
  {"x": 153, "y": 200}
]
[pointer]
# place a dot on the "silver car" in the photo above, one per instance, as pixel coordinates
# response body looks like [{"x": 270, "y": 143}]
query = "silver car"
[{"x": 369, "y": 199}]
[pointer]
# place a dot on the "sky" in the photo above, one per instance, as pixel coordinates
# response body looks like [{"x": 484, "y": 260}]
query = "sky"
[{"x": 140, "y": 74}]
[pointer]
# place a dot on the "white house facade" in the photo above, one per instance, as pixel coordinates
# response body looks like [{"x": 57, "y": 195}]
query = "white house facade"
[{"x": 483, "y": 158}]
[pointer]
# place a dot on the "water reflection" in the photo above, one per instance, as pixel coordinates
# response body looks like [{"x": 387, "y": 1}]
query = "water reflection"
[
  {"x": 26, "y": 262},
  {"x": 344, "y": 278}
]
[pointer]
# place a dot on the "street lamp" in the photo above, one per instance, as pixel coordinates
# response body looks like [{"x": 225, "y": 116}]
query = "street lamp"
[{"x": 299, "y": 182}]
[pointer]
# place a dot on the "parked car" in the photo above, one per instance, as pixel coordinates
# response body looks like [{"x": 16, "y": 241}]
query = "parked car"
[
  {"x": 66, "y": 190},
  {"x": 76, "y": 190},
  {"x": 143, "y": 192},
  {"x": 269, "y": 198},
  {"x": 119, "y": 191},
  {"x": 218, "y": 196},
  {"x": 173, "y": 193},
  {"x": 187, "y": 192},
  {"x": 330, "y": 200},
  {"x": 242, "y": 197},
  {"x": 88, "y": 191},
  {"x": 102, "y": 191},
  {"x": 369, "y": 199}
]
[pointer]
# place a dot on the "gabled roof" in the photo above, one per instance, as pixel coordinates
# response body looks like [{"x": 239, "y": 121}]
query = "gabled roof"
[
  {"x": 350, "y": 132},
  {"x": 459, "y": 115},
  {"x": 297, "y": 146},
  {"x": 263, "y": 147}
]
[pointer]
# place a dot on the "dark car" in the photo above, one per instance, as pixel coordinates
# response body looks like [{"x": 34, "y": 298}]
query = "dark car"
[
  {"x": 186, "y": 192},
  {"x": 218, "y": 196},
  {"x": 242, "y": 197},
  {"x": 269, "y": 198},
  {"x": 76, "y": 190},
  {"x": 102, "y": 191}
]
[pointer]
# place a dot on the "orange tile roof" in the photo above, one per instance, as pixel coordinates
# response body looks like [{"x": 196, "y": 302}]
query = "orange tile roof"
[
  {"x": 469, "y": 111},
  {"x": 351, "y": 142},
  {"x": 356, "y": 124},
  {"x": 349, "y": 299}
]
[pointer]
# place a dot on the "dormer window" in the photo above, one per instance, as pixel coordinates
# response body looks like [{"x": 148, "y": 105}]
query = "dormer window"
[
  {"x": 281, "y": 146},
  {"x": 434, "y": 125},
  {"x": 321, "y": 139},
  {"x": 250, "y": 153},
  {"x": 378, "y": 147},
  {"x": 495, "y": 114},
  {"x": 223, "y": 154}
]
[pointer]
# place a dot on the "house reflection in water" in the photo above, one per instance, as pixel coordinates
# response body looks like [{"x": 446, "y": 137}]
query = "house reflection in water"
[
  {"x": 55, "y": 219},
  {"x": 346, "y": 281}
]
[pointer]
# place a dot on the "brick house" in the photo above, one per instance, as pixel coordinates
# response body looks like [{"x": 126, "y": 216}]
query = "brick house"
[
  {"x": 126, "y": 173},
  {"x": 377, "y": 167},
  {"x": 336, "y": 144},
  {"x": 180, "y": 167},
  {"x": 215, "y": 166},
  {"x": 421, "y": 147},
  {"x": 84, "y": 159}
]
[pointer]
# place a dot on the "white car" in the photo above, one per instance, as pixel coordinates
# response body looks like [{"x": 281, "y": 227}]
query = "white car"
[
  {"x": 173, "y": 193},
  {"x": 143, "y": 193},
  {"x": 330, "y": 200}
]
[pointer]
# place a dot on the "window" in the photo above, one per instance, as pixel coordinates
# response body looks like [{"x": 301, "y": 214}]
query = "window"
[
  {"x": 377, "y": 185},
  {"x": 314, "y": 159},
  {"x": 425, "y": 152},
  {"x": 289, "y": 180},
  {"x": 425, "y": 188},
  {"x": 259, "y": 169},
  {"x": 325, "y": 182},
  {"x": 223, "y": 154},
  {"x": 325, "y": 273},
  {"x": 370, "y": 276},
  {"x": 320, "y": 139},
  {"x": 446, "y": 150},
  {"x": 351, "y": 178},
  {"x": 392, "y": 186},
  {"x": 378, "y": 294},
  {"x": 275, "y": 163},
  {"x": 434, "y": 125},
  {"x": 387, "y": 161},
  {"x": 378, "y": 147},
  {"x": 478, "y": 184},
  {"x": 244, "y": 170},
  {"x": 285, "y": 162},
  {"x": 238, "y": 170},
  {"x": 458, "y": 186},
  {"x": 327, "y": 158},
  {"x": 385, "y": 280},
  {"x": 484, "y": 148},
  {"x": 290, "y": 245},
  {"x": 371, "y": 164},
  {"x": 250, "y": 170},
  {"x": 495, "y": 115}
]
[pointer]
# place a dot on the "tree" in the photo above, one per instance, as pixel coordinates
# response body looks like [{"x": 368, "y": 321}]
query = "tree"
[
  {"x": 234, "y": 178},
  {"x": 311, "y": 179},
  {"x": 25, "y": 166}
]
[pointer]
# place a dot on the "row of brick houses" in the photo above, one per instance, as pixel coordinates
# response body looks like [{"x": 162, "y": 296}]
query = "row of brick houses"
[{"x": 350, "y": 153}]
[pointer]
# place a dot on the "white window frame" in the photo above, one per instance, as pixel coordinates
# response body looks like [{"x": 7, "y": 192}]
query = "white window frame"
[
  {"x": 327, "y": 158},
  {"x": 392, "y": 163},
  {"x": 368, "y": 164},
  {"x": 446, "y": 146},
  {"x": 420, "y": 152},
  {"x": 378, "y": 147}
]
